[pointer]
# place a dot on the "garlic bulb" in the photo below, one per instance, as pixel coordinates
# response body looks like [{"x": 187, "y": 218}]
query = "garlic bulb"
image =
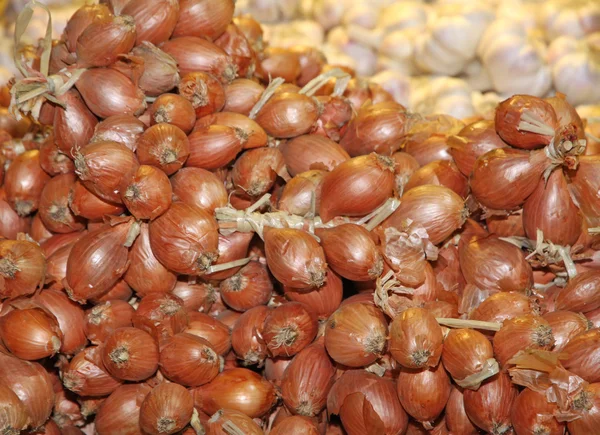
[
  {"x": 269, "y": 11},
  {"x": 524, "y": 12},
  {"x": 330, "y": 13},
  {"x": 450, "y": 40},
  {"x": 396, "y": 83},
  {"x": 298, "y": 32},
  {"x": 576, "y": 67},
  {"x": 576, "y": 18},
  {"x": 445, "y": 95},
  {"x": 403, "y": 15},
  {"x": 477, "y": 76},
  {"x": 515, "y": 59},
  {"x": 365, "y": 58}
]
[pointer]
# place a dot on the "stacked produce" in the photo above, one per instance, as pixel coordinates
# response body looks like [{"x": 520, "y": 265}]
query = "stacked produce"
[{"x": 200, "y": 234}]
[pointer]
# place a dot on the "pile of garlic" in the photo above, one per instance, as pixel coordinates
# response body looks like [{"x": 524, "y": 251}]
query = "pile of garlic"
[{"x": 503, "y": 46}]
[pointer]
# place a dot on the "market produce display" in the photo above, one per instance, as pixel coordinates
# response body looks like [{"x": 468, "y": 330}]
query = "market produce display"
[{"x": 201, "y": 233}]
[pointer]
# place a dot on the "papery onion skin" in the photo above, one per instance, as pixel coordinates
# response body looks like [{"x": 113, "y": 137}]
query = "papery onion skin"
[
  {"x": 533, "y": 414},
  {"x": 379, "y": 405},
  {"x": 213, "y": 147},
  {"x": 489, "y": 406},
  {"x": 212, "y": 330},
  {"x": 565, "y": 325},
  {"x": 189, "y": 360},
  {"x": 32, "y": 384},
  {"x": 162, "y": 315},
  {"x": 587, "y": 402},
  {"x": 130, "y": 354},
  {"x": 416, "y": 339},
  {"x": 348, "y": 190},
  {"x": 148, "y": 193},
  {"x": 295, "y": 425},
  {"x": 103, "y": 319},
  {"x": 185, "y": 239},
  {"x": 145, "y": 273},
  {"x": 173, "y": 109},
  {"x": 88, "y": 205},
  {"x": 297, "y": 194},
  {"x": 168, "y": 408},
  {"x": 246, "y": 335},
  {"x": 24, "y": 182},
  {"x": 104, "y": 256},
  {"x": 289, "y": 328},
  {"x": 509, "y": 114},
  {"x": 312, "y": 151},
  {"x": 241, "y": 95},
  {"x": 355, "y": 335},
  {"x": 280, "y": 62},
  {"x": 74, "y": 125},
  {"x": 104, "y": 40},
  {"x": 436, "y": 208},
  {"x": 551, "y": 210},
  {"x": 54, "y": 205},
  {"x": 15, "y": 417},
  {"x": 232, "y": 247},
  {"x": 223, "y": 420},
  {"x": 324, "y": 300},
  {"x": 457, "y": 420},
  {"x": 581, "y": 294},
  {"x": 160, "y": 70},
  {"x": 22, "y": 268},
  {"x": 79, "y": 21},
  {"x": 522, "y": 333},
  {"x": 199, "y": 187},
  {"x": 295, "y": 258},
  {"x": 424, "y": 393},
  {"x": 583, "y": 352},
  {"x": 204, "y": 91},
  {"x": 108, "y": 92},
  {"x": 307, "y": 380},
  {"x": 86, "y": 375},
  {"x": 465, "y": 353},
  {"x": 249, "y": 287},
  {"x": 585, "y": 183},
  {"x": 238, "y": 389},
  {"x": 502, "y": 306},
  {"x": 287, "y": 115},
  {"x": 121, "y": 410},
  {"x": 256, "y": 170},
  {"x": 504, "y": 178},
  {"x": 506, "y": 226}
]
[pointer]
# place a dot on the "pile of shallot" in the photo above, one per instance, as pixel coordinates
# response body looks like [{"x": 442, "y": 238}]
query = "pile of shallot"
[{"x": 203, "y": 235}]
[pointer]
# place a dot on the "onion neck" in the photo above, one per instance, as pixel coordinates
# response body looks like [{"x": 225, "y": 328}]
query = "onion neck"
[{"x": 8, "y": 269}]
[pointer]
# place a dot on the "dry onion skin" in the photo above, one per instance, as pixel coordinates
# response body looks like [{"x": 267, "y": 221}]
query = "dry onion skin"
[{"x": 187, "y": 246}]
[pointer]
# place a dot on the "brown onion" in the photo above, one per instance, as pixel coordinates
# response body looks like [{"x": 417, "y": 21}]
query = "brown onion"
[
  {"x": 234, "y": 43},
  {"x": 324, "y": 300},
  {"x": 241, "y": 95},
  {"x": 105, "y": 168},
  {"x": 88, "y": 205},
  {"x": 22, "y": 268},
  {"x": 312, "y": 151},
  {"x": 255, "y": 171},
  {"x": 145, "y": 273},
  {"x": 204, "y": 91},
  {"x": 457, "y": 420},
  {"x": 365, "y": 402},
  {"x": 54, "y": 205},
  {"x": 502, "y": 306},
  {"x": 248, "y": 131},
  {"x": 586, "y": 403},
  {"x": 355, "y": 335},
  {"x": 347, "y": 190},
  {"x": 98, "y": 260},
  {"x": 424, "y": 393},
  {"x": 104, "y": 40},
  {"x": 32, "y": 385},
  {"x": 52, "y": 159},
  {"x": 584, "y": 186},
  {"x": 204, "y": 18},
  {"x": 229, "y": 420},
  {"x": 15, "y": 417},
  {"x": 489, "y": 406},
  {"x": 185, "y": 239},
  {"x": 80, "y": 20},
  {"x": 287, "y": 115},
  {"x": 196, "y": 54},
  {"x": 10, "y": 222},
  {"x": 506, "y": 226},
  {"x": 580, "y": 293},
  {"x": 173, "y": 109},
  {"x": 74, "y": 124},
  {"x": 160, "y": 70},
  {"x": 70, "y": 318},
  {"x": 212, "y": 330},
  {"x": 307, "y": 380},
  {"x": 280, "y": 62},
  {"x": 351, "y": 252},
  {"x": 237, "y": 389},
  {"x": 376, "y": 128},
  {"x": 565, "y": 325},
  {"x": 295, "y": 258},
  {"x": 86, "y": 375},
  {"x": 503, "y": 178},
  {"x": 532, "y": 413},
  {"x": 213, "y": 147},
  {"x": 299, "y": 193},
  {"x": 195, "y": 296},
  {"x": 24, "y": 182},
  {"x": 31, "y": 333},
  {"x": 154, "y": 21},
  {"x": 289, "y": 328},
  {"x": 537, "y": 114},
  {"x": 469, "y": 357},
  {"x": 416, "y": 339},
  {"x": 108, "y": 92},
  {"x": 130, "y": 354},
  {"x": 165, "y": 146},
  {"x": 162, "y": 315},
  {"x": 232, "y": 247},
  {"x": 121, "y": 410},
  {"x": 189, "y": 360},
  {"x": 199, "y": 187},
  {"x": 120, "y": 291},
  {"x": 247, "y": 336},
  {"x": 522, "y": 333},
  {"x": 436, "y": 208},
  {"x": 248, "y": 288},
  {"x": 167, "y": 409},
  {"x": 295, "y": 425},
  {"x": 148, "y": 193},
  {"x": 442, "y": 173},
  {"x": 103, "y": 319},
  {"x": 583, "y": 351}
]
